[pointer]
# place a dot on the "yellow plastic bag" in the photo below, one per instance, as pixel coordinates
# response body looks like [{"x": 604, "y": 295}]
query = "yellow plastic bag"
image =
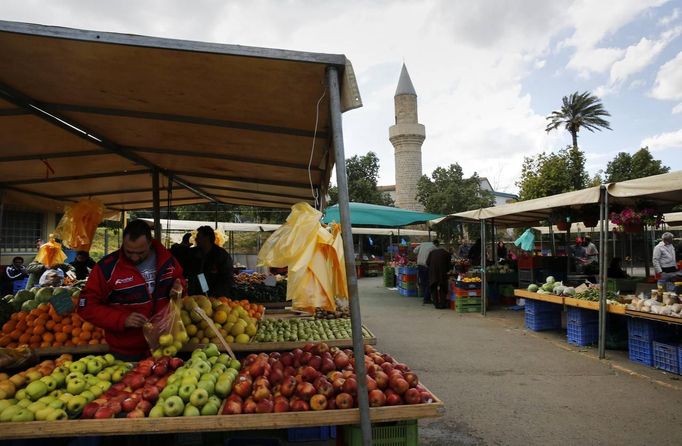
[
  {"x": 50, "y": 254},
  {"x": 314, "y": 256},
  {"x": 79, "y": 223}
]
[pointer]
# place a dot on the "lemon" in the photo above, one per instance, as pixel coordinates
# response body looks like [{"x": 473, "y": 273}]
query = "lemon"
[
  {"x": 229, "y": 339},
  {"x": 237, "y": 329},
  {"x": 251, "y": 330},
  {"x": 220, "y": 317},
  {"x": 242, "y": 339}
]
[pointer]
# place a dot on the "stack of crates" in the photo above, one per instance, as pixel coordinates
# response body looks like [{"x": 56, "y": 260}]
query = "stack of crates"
[
  {"x": 541, "y": 316},
  {"x": 466, "y": 295},
  {"x": 582, "y": 326},
  {"x": 400, "y": 433},
  {"x": 667, "y": 356},
  {"x": 641, "y": 336},
  {"x": 407, "y": 281}
]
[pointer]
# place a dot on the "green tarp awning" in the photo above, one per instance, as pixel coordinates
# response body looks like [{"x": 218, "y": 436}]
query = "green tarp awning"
[{"x": 375, "y": 215}]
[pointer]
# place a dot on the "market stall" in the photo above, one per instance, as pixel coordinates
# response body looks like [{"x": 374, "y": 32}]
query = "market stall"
[{"x": 133, "y": 122}]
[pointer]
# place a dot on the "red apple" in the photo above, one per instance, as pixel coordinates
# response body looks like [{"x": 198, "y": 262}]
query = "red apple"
[
  {"x": 299, "y": 406},
  {"x": 249, "y": 406},
  {"x": 308, "y": 347},
  {"x": 118, "y": 387},
  {"x": 327, "y": 365},
  {"x": 137, "y": 380},
  {"x": 130, "y": 403},
  {"x": 387, "y": 367},
  {"x": 309, "y": 373},
  {"x": 276, "y": 375},
  {"x": 377, "y": 398},
  {"x": 287, "y": 359},
  {"x": 305, "y": 358},
  {"x": 160, "y": 369},
  {"x": 150, "y": 393},
  {"x": 348, "y": 373},
  {"x": 399, "y": 385},
  {"x": 136, "y": 413},
  {"x": 114, "y": 406},
  {"x": 322, "y": 348},
  {"x": 411, "y": 379},
  {"x": 426, "y": 397},
  {"x": 344, "y": 401},
  {"x": 318, "y": 402},
  {"x": 261, "y": 381},
  {"x": 89, "y": 410},
  {"x": 305, "y": 390},
  {"x": 315, "y": 362},
  {"x": 392, "y": 398},
  {"x": 147, "y": 362},
  {"x": 250, "y": 359},
  {"x": 412, "y": 396},
  {"x": 176, "y": 363},
  {"x": 331, "y": 403},
  {"x": 145, "y": 406},
  {"x": 334, "y": 375},
  {"x": 104, "y": 412},
  {"x": 261, "y": 393},
  {"x": 371, "y": 384},
  {"x": 232, "y": 408},
  {"x": 264, "y": 406},
  {"x": 242, "y": 387},
  {"x": 381, "y": 379},
  {"x": 350, "y": 386},
  {"x": 161, "y": 384},
  {"x": 256, "y": 369},
  {"x": 338, "y": 383},
  {"x": 402, "y": 367},
  {"x": 341, "y": 360}
]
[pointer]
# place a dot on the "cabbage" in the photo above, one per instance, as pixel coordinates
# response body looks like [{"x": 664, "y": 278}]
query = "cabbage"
[
  {"x": 550, "y": 279},
  {"x": 559, "y": 289},
  {"x": 533, "y": 288},
  {"x": 569, "y": 291},
  {"x": 548, "y": 287}
]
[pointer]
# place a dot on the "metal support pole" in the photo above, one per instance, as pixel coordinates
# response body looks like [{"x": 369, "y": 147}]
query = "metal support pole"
[
  {"x": 106, "y": 241},
  {"x": 551, "y": 235},
  {"x": 156, "y": 198},
  {"x": 2, "y": 212},
  {"x": 484, "y": 285},
  {"x": 216, "y": 215},
  {"x": 349, "y": 256},
  {"x": 603, "y": 248},
  {"x": 493, "y": 242},
  {"x": 568, "y": 252}
]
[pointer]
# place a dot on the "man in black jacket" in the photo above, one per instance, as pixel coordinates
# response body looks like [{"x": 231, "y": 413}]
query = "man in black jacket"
[
  {"x": 439, "y": 265},
  {"x": 211, "y": 263}
]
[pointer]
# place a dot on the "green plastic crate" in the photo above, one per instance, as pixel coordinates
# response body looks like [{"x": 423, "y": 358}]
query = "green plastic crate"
[
  {"x": 468, "y": 305},
  {"x": 401, "y": 433}
]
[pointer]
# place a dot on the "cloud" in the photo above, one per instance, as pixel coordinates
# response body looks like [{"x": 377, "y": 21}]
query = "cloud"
[
  {"x": 667, "y": 20},
  {"x": 677, "y": 109},
  {"x": 668, "y": 83},
  {"x": 664, "y": 141}
]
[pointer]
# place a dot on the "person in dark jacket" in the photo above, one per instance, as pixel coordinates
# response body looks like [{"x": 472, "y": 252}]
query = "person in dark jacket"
[
  {"x": 615, "y": 270},
  {"x": 181, "y": 252},
  {"x": 82, "y": 265},
  {"x": 474, "y": 254},
  {"x": 14, "y": 273},
  {"x": 439, "y": 265},
  {"x": 127, "y": 288},
  {"x": 213, "y": 263}
]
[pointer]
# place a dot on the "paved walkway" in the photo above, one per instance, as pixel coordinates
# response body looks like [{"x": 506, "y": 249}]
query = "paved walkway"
[{"x": 504, "y": 385}]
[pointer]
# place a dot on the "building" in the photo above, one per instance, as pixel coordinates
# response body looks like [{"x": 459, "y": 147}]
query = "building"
[{"x": 500, "y": 197}]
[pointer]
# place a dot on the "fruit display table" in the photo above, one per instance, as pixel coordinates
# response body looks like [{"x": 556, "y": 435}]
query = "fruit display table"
[
  {"x": 132, "y": 426},
  {"x": 571, "y": 302}
]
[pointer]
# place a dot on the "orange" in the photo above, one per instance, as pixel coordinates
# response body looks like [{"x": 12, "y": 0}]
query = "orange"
[
  {"x": 38, "y": 329},
  {"x": 76, "y": 332},
  {"x": 57, "y": 328},
  {"x": 44, "y": 344},
  {"x": 36, "y": 339},
  {"x": 9, "y": 326},
  {"x": 48, "y": 337},
  {"x": 85, "y": 335},
  {"x": 50, "y": 325},
  {"x": 60, "y": 337},
  {"x": 57, "y": 344},
  {"x": 15, "y": 334},
  {"x": 5, "y": 340},
  {"x": 93, "y": 342},
  {"x": 24, "y": 338},
  {"x": 14, "y": 316},
  {"x": 66, "y": 328},
  {"x": 68, "y": 344},
  {"x": 87, "y": 326}
]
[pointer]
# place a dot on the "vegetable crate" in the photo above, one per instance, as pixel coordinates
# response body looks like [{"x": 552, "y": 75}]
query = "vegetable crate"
[
  {"x": 666, "y": 357},
  {"x": 468, "y": 305},
  {"x": 647, "y": 330},
  {"x": 581, "y": 316},
  {"x": 548, "y": 320},
  {"x": 468, "y": 285},
  {"x": 459, "y": 292},
  {"x": 320, "y": 433},
  {"x": 539, "y": 306},
  {"x": 401, "y": 433},
  {"x": 582, "y": 334},
  {"x": 640, "y": 351}
]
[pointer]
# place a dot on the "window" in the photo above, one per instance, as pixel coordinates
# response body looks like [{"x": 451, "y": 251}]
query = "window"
[{"x": 20, "y": 230}]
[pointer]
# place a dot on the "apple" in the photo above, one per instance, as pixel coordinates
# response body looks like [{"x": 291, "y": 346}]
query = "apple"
[
  {"x": 166, "y": 339},
  {"x": 287, "y": 359},
  {"x": 344, "y": 401},
  {"x": 37, "y": 389},
  {"x": 232, "y": 407},
  {"x": 145, "y": 406},
  {"x": 281, "y": 405},
  {"x": 264, "y": 406},
  {"x": 157, "y": 412},
  {"x": 341, "y": 360},
  {"x": 57, "y": 404},
  {"x": 78, "y": 366},
  {"x": 412, "y": 396},
  {"x": 35, "y": 406},
  {"x": 210, "y": 409},
  {"x": 208, "y": 386},
  {"x": 249, "y": 406},
  {"x": 318, "y": 402},
  {"x": 392, "y": 398},
  {"x": 242, "y": 387},
  {"x": 377, "y": 398},
  {"x": 199, "y": 397},
  {"x": 42, "y": 414},
  {"x": 411, "y": 379},
  {"x": 176, "y": 363},
  {"x": 169, "y": 390},
  {"x": 288, "y": 386},
  {"x": 185, "y": 391},
  {"x": 50, "y": 382},
  {"x": 399, "y": 385},
  {"x": 350, "y": 386},
  {"x": 104, "y": 412},
  {"x": 75, "y": 404},
  {"x": 23, "y": 415},
  {"x": 309, "y": 373},
  {"x": 261, "y": 393},
  {"x": 222, "y": 387},
  {"x": 94, "y": 366},
  {"x": 89, "y": 410},
  {"x": 173, "y": 406},
  {"x": 324, "y": 387},
  {"x": 371, "y": 384},
  {"x": 381, "y": 379},
  {"x": 160, "y": 369},
  {"x": 57, "y": 415},
  {"x": 7, "y": 414},
  {"x": 130, "y": 403},
  {"x": 199, "y": 354},
  {"x": 305, "y": 390},
  {"x": 299, "y": 406}
]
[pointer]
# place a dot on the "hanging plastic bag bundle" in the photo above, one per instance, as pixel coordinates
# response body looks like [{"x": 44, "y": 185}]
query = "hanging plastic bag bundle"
[
  {"x": 314, "y": 256},
  {"x": 79, "y": 223},
  {"x": 165, "y": 332},
  {"x": 50, "y": 254},
  {"x": 526, "y": 241}
]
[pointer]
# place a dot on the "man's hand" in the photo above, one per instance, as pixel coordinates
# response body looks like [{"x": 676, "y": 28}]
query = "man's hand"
[
  {"x": 135, "y": 320},
  {"x": 658, "y": 276}
]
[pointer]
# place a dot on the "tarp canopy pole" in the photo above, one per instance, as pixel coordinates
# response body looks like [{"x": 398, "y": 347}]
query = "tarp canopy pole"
[
  {"x": 156, "y": 198},
  {"x": 603, "y": 247},
  {"x": 349, "y": 256},
  {"x": 484, "y": 295}
]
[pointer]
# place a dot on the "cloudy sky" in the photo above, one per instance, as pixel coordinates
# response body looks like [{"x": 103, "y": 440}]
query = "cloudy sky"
[{"x": 487, "y": 72}]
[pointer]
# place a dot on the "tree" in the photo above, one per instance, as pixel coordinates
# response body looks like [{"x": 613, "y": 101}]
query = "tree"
[
  {"x": 639, "y": 165},
  {"x": 363, "y": 174},
  {"x": 448, "y": 192},
  {"x": 577, "y": 111},
  {"x": 553, "y": 173}
]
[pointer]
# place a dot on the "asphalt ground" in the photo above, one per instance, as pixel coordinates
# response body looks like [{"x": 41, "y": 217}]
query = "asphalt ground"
[{"x": 505, "y": 385}]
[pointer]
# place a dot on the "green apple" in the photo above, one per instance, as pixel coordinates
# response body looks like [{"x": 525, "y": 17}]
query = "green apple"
[
  {"x": 47, "y": 399},
  {"x": 9, "y": 412},
  {"x": 78, "y": 366},
  {"x": 117, "y": 375},
  {"x": 198, "y": 354},
  {"x": 199, "y": 397},
  {"x": 109, "y": 358},
  {"x": 74, "y": 375},
  {"x": 36, "y": 390},
  {"x": 175, "y": 377},
  {"x": 57, "y": 404},
  {"x": 182, "y": 337},
  {"x": 4, "y": 404},
  {"x": 94, "y": 366},
  {"x": 208, "y": 377},
  {"x": 21, "y": 394},
  {"x": 169, "y": 390},
  {"x": 156, "y": 412},
  {"x": 36, "y": 406},
  {"x": 66, "y": 397},
  {"x": 170, "y": 351},
  {"x": 59, "y": 377},
  {"x": 224, "y": 359},
  {"x": 219, "y": 367},
  {"x": 177, "y": 345},
  {"x": 104, "y": 375},
  {"x": 23, "y": 415},
  {"x": 211, "y": 350},
  {"x": 50, "y": 382},
  {"x": 76, "y": 404},
  {"x": 191, "y": 411},
  {"x": 91, "y": 380},
  {"x": 202, "y": 367},
  {"x": 42, "y": 414},
  {"x": 208, "y": 386},
  {"x": 185, "y": 391},
  {"x": 57, "y": 393},
  {"x": 235, "y": 364},
  {"x": 166, "y": 339},
  {"x": 24, "y": 403},
  {"x": 193, "y": 372},
  {"x": 210, "y": 409},
  {"x": 76, "y": 386},
  {"x": 157, "y": 354},
  {"x": 88, "y": 395},
  {"x": 104, "y": 385},
  {"x": 189, "y": 380},
  {"x": 173, "y": 406},
  {"x": 57, "y": 414},
  {"x": 213, "y": 360},
  {"x": 96, "y": 390},
  {"x": 223, "y": 388}
]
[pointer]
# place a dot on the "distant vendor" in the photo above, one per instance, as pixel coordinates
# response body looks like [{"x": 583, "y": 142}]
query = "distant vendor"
[{"x": 664, "y": 261}]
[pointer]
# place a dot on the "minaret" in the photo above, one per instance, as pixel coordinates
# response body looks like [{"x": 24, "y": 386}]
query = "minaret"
[{"x": 407, "y": 136}]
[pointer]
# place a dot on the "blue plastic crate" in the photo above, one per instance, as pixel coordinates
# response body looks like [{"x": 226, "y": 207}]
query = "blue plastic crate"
[
  {"x": 550, "y": 320},
  {"x": 539, "y": 306},
  {"x": 320, "y": 433},
  {"x": 666, "y": 357},
  {"x": 408, "y": 293},
  {"x": 647, "y": 330},
  {"x": 640, "y": 351},
  {"x": 580, "y": 316},
  {"x": 582, "y": 334}
]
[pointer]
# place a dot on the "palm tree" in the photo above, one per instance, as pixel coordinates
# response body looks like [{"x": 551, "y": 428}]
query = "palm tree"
[{"x": 579, "y": 110}]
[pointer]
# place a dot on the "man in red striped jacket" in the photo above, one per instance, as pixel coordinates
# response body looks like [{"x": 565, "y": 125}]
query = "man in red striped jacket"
[{"x": 127, "y": 287}]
